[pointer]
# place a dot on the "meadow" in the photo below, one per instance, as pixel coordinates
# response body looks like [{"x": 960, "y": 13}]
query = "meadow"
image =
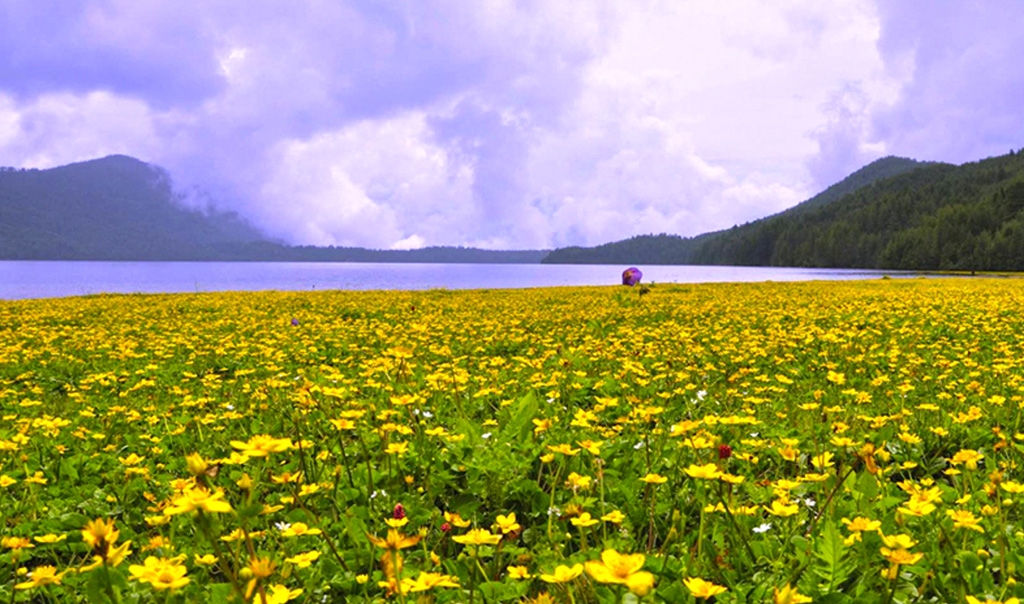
[{"x": 777, "y": 442}]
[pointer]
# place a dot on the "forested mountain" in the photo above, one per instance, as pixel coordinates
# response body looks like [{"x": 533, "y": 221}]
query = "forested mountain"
[
  {"x": 115, "y": 208},
  {"x": 119, "y": 208},
  {"x": 893, "y": 215}
]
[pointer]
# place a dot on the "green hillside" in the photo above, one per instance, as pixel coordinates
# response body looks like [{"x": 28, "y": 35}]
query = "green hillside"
[
  {"x": 894, "y": 214},
  {"x": 115, "y": 208}
]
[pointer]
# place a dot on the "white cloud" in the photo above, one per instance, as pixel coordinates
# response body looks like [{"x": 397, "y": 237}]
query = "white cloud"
[
  {"x": 505, "y": 124},
  {"x": 58, "y": 129},
  {"x": 375, "y": 183}
]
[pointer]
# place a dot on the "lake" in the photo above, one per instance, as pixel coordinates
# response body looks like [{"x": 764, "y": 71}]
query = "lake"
[{"x": 19, "y": 280}]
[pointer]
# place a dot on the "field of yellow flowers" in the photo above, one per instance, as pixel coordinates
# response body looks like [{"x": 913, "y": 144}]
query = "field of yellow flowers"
[{"x": 827, "y": 442}]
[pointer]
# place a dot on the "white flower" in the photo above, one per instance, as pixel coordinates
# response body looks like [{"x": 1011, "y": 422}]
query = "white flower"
[
  {"x": 639, "y": 445},
  {"x": 282, "y": 526},
  {"x": 428, "y": 414},
  {"x": 229, "y": 407},
  {"x": 485, "y": 435},
  {"x": 763, "y": 528}
]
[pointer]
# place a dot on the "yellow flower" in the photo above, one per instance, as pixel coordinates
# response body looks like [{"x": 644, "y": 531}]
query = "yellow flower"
[
  {"x": 261, "y": 568},
  {"x": 196, "y": 464},
  {"x": 518, "y": 572},
  {"x": 161, "y": 573},
  {"x": 477, "y": 537},
  {"x": 6, "y": 481},
  {"x": 456, "y": 520},
  {"x": 623, "y": 569},
  {"x": 50, "y": 538},
  {"x": 584, "y": 520},
  {"x": 397, "y": 448},
  {"x": 965, "y": 519},
  {"x": 707, "y": 472},
  {"x": 279, "y": 594},
  {"x": 198, "y": 499},
  {"x": 614, "y": 516},
  {"x": 968, "y": 457},
  {"x": 36, "y": 478},
  {"x": 973, "y": 600},
  {"x": 42, "y": 575},
  {"x": 578, "y": 481},
  {"x": 101, "y": 535},
  {"x": 1012, "y": 487},
  {"x": 116, "y": 555},
  {"x": 300, "y": 529},
  {"x": 394, "y": 541},
  {"x": 916, "y": 507},
  {"x": 563, "y": 574},
  {"x": 205, "y": 560},
  {"x": 899, "y": 541},
  {"x": 823, "y": 461},
  {"x": 131, "y": 460},
  {"x": 262, "y": 445},
  {"x": 565, "y": 449},
  {"x": 900, "y": 556},
  {"x": 703, "y": 589},
  {"x": 789, "y": 595},
  {"x": 343, "y": 424},
  {"x": 861, "y": 524},
  {"x": 654, "y": 479},
  {"x": 426, "y": 581},
  {"x": 304, "y": 559},
  {"x": 782, "y": 509},
  {"x": 99, "y": 532},
  {"x": 507, "y": 524}
]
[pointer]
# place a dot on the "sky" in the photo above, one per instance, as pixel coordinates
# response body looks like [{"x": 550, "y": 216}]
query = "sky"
[{"x": 502, "y": 124}]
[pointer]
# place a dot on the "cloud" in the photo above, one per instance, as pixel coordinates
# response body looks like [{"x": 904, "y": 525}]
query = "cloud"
[
  {"x": 961, "y": 98},
  {"x": 501, "y": 123}
]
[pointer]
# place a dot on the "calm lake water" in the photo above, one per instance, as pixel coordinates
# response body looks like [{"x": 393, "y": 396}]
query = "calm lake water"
[{"x": 20, "y": 280}]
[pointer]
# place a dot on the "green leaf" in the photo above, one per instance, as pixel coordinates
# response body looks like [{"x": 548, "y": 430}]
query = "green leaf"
[
  {"x": 518, "y": 427},
  {"x": 95, "y": 588},
  {"x": 867, "y": 485},
  {"x": 831, "y": 564},
  {"x": 220, "y": 593},
  {"x": 495, "y": 591}
]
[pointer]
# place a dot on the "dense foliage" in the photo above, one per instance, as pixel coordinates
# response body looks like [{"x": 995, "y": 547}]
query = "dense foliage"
[{"x": 846, "y": 442}]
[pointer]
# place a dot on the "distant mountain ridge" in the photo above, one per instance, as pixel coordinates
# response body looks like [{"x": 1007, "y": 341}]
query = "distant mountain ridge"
[
  {"x": 894, "y": 213},
  {"x": 120, "y": 208},
  {"x": 674, "y": 249},
  {"x": 114, "y": 208}
]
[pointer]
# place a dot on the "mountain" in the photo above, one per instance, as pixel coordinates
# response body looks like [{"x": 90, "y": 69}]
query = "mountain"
[
  {"x": 936, "y": 217},
  {"x": 114, "y": 208},
  {"x": 894, "y": 213},
  {"x": 120, "y": 208}
]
